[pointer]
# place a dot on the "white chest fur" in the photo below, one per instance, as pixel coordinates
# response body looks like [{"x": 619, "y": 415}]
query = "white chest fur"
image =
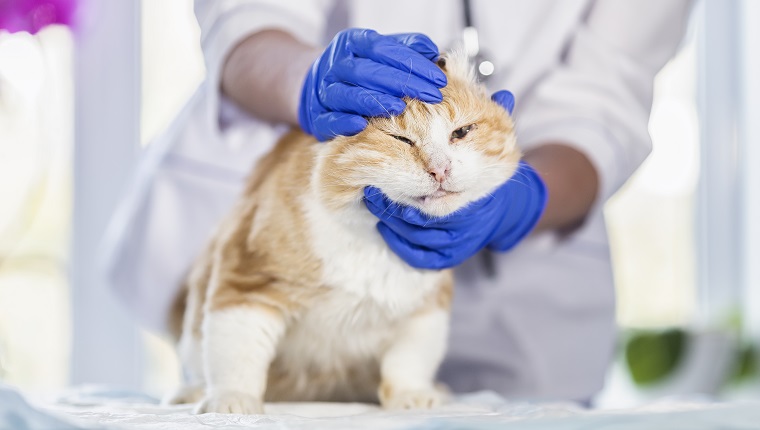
[
  {"x": 329, "y": 351},
  {"x": 357, "y": 261}
]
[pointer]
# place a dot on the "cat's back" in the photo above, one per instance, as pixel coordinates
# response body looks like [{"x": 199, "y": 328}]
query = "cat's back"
[
  {"x": 289, "y": 163},
  {"x": 268, "y": 228}
]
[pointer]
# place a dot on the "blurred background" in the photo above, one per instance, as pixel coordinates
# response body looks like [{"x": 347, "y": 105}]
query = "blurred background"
[{"x": 686, "y": 250}]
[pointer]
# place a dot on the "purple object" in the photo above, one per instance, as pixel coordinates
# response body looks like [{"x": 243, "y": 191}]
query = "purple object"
[{"x": 33, "y": 15}]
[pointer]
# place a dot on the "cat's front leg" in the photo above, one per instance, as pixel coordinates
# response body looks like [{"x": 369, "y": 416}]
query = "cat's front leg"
[
  {"x": 240, "y": 343},
  {"x": 409, "y": 366}
]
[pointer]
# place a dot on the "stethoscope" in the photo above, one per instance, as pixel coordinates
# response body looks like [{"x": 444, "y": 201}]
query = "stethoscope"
[{"x": 471, "y": 44}]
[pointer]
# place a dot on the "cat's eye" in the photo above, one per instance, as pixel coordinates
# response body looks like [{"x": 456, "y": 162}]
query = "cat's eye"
[
  {"x": 403, "y": 139},
  {"x": 462, "y": 132}
]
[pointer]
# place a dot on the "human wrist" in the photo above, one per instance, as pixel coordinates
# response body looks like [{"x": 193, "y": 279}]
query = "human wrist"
[
  {"x": 303, "y": 114},
  {"x": 268, "y": 89},
  {"x": 572, "y": 180},
  {"x": 299, "y": 73},
  {"x": 527, "y": 196}
]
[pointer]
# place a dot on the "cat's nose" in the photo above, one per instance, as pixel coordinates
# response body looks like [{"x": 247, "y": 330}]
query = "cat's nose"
[{"x": 440, "y": 172}]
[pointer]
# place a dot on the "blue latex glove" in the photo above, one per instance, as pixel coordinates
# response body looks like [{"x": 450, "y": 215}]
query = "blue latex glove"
[
  {"x": 498, "y": 221},
  {"x": 363, "y": 73}
]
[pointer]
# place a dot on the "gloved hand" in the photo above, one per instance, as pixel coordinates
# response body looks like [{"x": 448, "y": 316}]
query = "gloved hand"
[
  {"x": 363, "y": 73},
  {"x": 498, "y": 221}
]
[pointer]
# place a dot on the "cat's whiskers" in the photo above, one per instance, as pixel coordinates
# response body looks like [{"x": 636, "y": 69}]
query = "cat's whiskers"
[
  {"x": 378, "y": 101},
  {"x": 408, "y": 77},
  {"x": 514, "y": 177},
  {"x": 520, "y": 174},
  {"x": 332, "y": 155},
  {"x": 519, "y": 182}
]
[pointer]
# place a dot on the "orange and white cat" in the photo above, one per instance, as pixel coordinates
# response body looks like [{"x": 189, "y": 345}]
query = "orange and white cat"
[{"x": 299, "y": 298}]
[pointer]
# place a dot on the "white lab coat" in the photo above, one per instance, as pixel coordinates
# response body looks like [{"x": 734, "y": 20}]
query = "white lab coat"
[{"x": 537, "y": 322}]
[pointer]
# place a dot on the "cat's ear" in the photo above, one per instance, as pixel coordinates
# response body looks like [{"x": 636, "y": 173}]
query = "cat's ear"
[{"x": 456, "y": 64}]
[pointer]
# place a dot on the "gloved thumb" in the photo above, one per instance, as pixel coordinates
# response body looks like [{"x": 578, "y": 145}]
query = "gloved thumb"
[{"x": 505, "y": 99}]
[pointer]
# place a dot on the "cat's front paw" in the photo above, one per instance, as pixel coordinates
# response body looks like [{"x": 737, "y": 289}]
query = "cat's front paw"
[
  {"x": 230, "y": 402},
  {"x": 395, "y": 399}
]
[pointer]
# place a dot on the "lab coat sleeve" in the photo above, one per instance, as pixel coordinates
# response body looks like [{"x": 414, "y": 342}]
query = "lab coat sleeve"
[
  {"x": 599, "y": 97},
  {"x": 225, "y": 23}
]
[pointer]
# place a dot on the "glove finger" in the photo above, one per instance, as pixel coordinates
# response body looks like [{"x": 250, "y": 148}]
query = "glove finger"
[
  {"x": 389, "y": 211},
  {"x": 419, "y": 42},
  {"x": 394, "y": 214},
  {"x": 428, "y": 237},
  {"x": 330, "y": 124},
  {"x": 342, "y": 97},
  {"x": 486, "y": 207},
  {"x": 369, "y": 74},
  {"x": 379, "y": 204},
  {"x": 505, "y": 99},
  {"x": 471, "y": 211},
  {"x": 384, "y": 208},
  {"x": 392, "y": 52},
  {"x": 415, "y": 256}
]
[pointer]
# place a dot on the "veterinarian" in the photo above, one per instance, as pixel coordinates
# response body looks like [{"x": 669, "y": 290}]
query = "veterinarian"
[{"x": 534, "y": 322}]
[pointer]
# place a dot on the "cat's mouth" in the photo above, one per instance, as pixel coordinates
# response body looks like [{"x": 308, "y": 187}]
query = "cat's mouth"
[{"x": 437, "y": 195}]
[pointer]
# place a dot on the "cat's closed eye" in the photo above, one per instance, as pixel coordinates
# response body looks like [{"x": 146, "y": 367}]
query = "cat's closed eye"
[
  {"x": 403, "y": 139},
  {"x": 460, "y": 133}
]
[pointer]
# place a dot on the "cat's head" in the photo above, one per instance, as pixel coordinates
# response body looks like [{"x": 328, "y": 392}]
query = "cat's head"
[{"x": 436, "y": 157}]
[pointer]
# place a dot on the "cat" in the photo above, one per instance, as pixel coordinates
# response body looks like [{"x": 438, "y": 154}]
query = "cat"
[{"x": 298, "y": 298}]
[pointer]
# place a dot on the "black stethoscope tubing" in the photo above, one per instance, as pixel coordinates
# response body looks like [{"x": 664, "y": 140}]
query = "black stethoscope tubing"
[{"x": 467, "y": 10}]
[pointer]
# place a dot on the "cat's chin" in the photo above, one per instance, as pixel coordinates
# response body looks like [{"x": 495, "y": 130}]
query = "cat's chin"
[
  {"x": 441, "y": 204},
  {"x": 437, "y": 196}
]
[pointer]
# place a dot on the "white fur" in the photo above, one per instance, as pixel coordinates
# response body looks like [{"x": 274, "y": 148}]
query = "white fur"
[
  {"x": 413, "y": 359},
  {"x": 436, "y": 145},
  {"x": 343, "y": 337},
  {"x": 238, "y": 346},
  {"x": 458, "y": 64},
  {"x": 357, "y": 260}
]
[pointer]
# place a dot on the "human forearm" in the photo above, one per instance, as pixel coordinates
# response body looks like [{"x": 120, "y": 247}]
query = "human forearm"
[
  {"x": 264, "y": 73},
  {"x": 572, "y": 182}
]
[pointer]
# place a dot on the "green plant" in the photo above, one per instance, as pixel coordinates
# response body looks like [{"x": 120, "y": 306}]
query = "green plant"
[
  {"x": 746, "y": 364},
  {"x": 653, "y": 355}
]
